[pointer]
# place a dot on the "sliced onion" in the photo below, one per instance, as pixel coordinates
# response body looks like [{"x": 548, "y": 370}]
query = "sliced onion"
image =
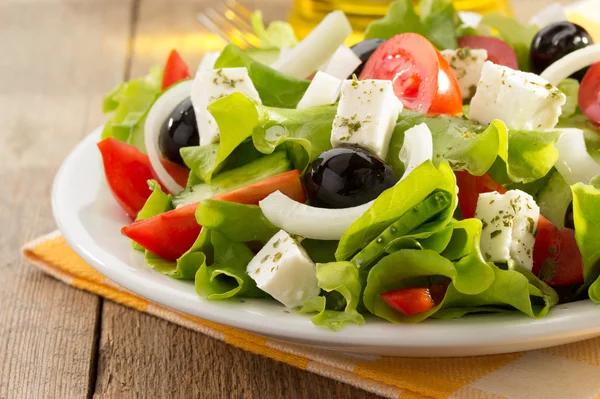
[
  {"x": 417, "y": 148},
  {"x": 470, "y": 19},
  {"x": 208, "y": 61},
  {"x": 575, "y": 164},
  {"x": 572, "y": 63},
  {"x": 158, "y": 114},
  {"x": 304, "y": 59},
  {"x": 308, "y": 221},
  {"x": 549, "y": 15},
  {"x": 342, "y": 63}
]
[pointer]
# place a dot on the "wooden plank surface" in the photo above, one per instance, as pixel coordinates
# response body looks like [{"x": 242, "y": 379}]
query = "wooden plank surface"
[{"x": 58, "y": 58}]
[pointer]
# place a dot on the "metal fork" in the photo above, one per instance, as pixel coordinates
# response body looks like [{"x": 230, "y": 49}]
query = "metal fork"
[{"x": 231, "y": 21}]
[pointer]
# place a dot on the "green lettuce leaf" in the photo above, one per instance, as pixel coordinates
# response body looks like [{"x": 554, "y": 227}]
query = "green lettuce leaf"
[
  {"x": 278, "y": 34},
  {"x": 341, "y": 277},
  {"x": 130, "y": 102},
  {"x": 438, "y": 22},
  {"x": 304, "y": 133},
  {"x": 586, "y": 214},
  {"x": 158, "y": 202},
  {"x": 570, "y": 87},
  {"x": 530, "y": 155},
  {"x": 395, "y": 202},
  {"x": 404, "y": 269},
  {"x": 594, "y": 291},
  {"x": 227, "y": 276},
  {"x": 237, "y": 222},
  {"x": 517, "y": 35},
  {"x": 320, "y": 251},
  {"x": 510, "y": 290},
  {"x": 274, "y": 88}
]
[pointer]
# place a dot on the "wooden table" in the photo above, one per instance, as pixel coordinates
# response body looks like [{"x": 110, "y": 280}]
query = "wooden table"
[{"x": 57, "y": 59}]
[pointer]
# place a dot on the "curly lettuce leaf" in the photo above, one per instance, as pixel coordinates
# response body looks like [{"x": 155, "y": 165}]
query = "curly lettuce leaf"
[
  {"x": 510, "y": 290},
  {"x": 517, "y": 35},
  {"x": 594, "y": 291},
  {"x": 395, "y": 202},
  {"x": 237, "y": 222},
  {"x": 158, "y": 202},
  {"x": 340, "y": 277},
  {"x": 130, "y": 102},
  {"x": 304, "y": 133},
  {"x": 274, "y": 88},
  {"x": 586, "y": 214},
  {"x": 404, "y": 269},
  {"x": 570, "y": 87},
  {"x": 438, "y": 22},
  {"x": 227, "y": 276},
  {"x": 278, "y": 34},
  {"x": 320, "y": 251}
]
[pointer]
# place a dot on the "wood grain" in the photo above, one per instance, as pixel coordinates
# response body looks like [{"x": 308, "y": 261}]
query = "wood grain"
[{"x": 58, "y": 58}]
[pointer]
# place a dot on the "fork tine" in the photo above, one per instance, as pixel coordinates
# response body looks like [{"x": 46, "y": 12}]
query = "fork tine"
[
  {"x": 239, "y": 8},
  {"x": 234, "y": 34},
  {"x": 241, "y": 22},
  {"x": 210, "y": 25}
]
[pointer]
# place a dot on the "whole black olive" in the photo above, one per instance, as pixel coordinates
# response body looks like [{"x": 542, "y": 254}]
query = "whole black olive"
[
  {"x": 364, "y": 50},
  {"x": 178, "y": 131},
  {"x": 347, "y": 176},
  {"x": 569, "y": 220},
  {"x": 554, "y": 42}
]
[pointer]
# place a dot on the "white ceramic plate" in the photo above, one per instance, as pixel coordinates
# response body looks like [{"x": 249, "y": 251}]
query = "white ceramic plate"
[{"x": 90, "y": 220}]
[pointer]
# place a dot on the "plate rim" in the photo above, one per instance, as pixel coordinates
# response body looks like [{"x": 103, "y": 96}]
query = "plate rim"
[{"x": 559, "y": 325}]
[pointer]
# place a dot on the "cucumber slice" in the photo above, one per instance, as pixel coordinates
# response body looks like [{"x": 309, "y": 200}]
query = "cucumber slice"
[
  {"x": 554, "y": 199},
  {"x": 253, "y": 172}
]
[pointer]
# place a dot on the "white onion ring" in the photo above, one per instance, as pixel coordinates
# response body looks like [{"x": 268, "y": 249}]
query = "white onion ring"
[
  {"x": 571, "y": 63},
  {"x": 158, "y": 114},
  {"x": 308, "y": 221}
]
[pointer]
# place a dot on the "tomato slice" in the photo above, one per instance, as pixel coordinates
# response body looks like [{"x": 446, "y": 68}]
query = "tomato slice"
[
  {"x": 448, "y": 99},
  {"x": 409, "y": 301},
  {"x": 411, "y": 63},
  {"x": 168, "y": 235},
  {"x": 499, "y": 52},
  {"x": 288, "y": 183},
  {"x": 469, "y": 188},
  {"x": 127, "y": 172},
  {"x": 589, "y": 93},
  {"x": 179, "y": 173},
  {"x": 175, "y": 70},
  {"x": 556, "y": 256}
]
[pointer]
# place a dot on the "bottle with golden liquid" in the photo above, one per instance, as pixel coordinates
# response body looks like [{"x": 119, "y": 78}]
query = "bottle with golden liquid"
[{"x": 308, "y": 13}]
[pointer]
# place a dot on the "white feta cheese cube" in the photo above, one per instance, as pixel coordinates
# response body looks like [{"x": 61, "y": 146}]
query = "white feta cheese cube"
[
  {"x": 366, "y": 115},
  {"x": 521, "y": 100},
  {"x": 212, "y": 85},
  {"x": 283, "y": 269},
  {"x": 466, "y": 64},
  {"x": 208, "y": 61},
  {"x": 342, "y": 63},
  {"x": 417, "y": 148},
  {"x": 323, "y": 90},
  {"x": 509, "y": 225}
]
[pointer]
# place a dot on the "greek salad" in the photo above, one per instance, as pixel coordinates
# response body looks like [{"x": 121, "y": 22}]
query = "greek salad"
[{"x": 448, "y": 164}]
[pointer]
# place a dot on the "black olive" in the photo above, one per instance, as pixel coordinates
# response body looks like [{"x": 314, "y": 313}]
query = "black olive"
[
  {"x": 569, "y": 221},
  {"x": 347, "y": 176},
  {"x": 554, "y": 42},
  {"x": 364, "y": 50},
  {"x": 178, "y": 131}
]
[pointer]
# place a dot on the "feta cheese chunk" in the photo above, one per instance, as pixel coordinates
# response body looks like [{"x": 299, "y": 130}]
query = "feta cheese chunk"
[
  {"x": 417, "y": 148},
  {"x": 283, "y": 269},
  {"x": 466, "y": 64},
  {"x": 509, "y": 225},
  {"x": 342, "y": 63},
  {"x": 521, "y": 100},
  {"x": 323, "y": 90},
  {"x": 212, "y": 85},
  {"x": 366, "y": 115}
]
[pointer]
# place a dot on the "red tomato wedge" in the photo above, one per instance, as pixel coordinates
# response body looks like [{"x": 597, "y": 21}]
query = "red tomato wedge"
[
  {"x": 589, "y": 93},
  {"x": 127, "y": 172},
  {"x": 499, "y": 52},
  {"x": 469, "y": 188},
  {"x": 413, "y": 64},
  {"x": 179, "y": 173},
  {"x": 170, "y": 234},
  {"x": 409, "y": 301},
  {"x": 175, "y": 70},
  {"x": 288, "y": 183},
  {"x": 556, "y": 256}
]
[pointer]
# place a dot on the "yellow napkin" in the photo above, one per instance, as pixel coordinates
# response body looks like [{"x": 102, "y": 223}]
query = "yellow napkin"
[{"x": 569, "y": 371}]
